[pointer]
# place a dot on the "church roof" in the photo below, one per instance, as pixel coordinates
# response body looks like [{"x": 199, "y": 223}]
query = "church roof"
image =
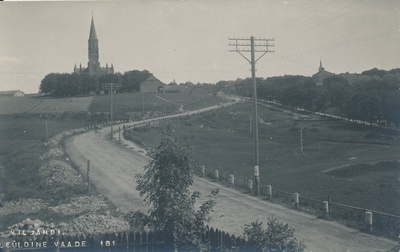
[
  {"x": 321, "y": 74},
  {"x": 92, "y": 34}
]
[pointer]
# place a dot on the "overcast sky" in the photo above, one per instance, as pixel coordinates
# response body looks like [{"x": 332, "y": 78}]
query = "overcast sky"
[{"x": 187, "y": 40}]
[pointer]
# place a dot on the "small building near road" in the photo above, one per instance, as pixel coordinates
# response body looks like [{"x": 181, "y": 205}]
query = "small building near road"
[
  {"x": 152, "y": 85},
  {"x": 12, "y": 93}
]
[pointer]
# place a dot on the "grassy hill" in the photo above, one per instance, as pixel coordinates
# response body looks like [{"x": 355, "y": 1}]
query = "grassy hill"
[{"x": 37, "y": 104}]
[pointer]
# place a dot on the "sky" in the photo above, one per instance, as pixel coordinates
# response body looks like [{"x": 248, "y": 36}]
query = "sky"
[{"x": 188, "y": 40}]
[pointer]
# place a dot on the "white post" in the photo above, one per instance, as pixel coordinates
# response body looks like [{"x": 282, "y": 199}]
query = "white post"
[
  {"x": 368, "y": 220},
  {"x": 250, "y": 184},
  {"x": 296, "y": 200},
  {"x": 269, "y": 191},
  {"x": 233, "y": 181},
  {"x": 203, "y": 170},
  {"x": 326, "y": 207},
  {"x": 216, "y": 175}
]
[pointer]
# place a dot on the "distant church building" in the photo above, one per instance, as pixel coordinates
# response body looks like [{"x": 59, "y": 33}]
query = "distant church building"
[
  {"x": 93, "y": 68},
  {"x": 321, "y": 74}
]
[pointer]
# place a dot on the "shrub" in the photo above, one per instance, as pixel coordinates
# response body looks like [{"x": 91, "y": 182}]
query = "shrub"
[{"x": 276, "y": 237}]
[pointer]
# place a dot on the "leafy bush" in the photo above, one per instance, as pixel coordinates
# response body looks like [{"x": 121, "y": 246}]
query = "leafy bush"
[{"x": 276, "y": 237}]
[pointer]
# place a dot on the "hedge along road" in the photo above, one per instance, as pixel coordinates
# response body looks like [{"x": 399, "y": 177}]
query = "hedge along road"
[{"x": 112, "y": 170}]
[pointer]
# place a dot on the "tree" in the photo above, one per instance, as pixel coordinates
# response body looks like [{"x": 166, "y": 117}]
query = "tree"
[
  {"x": 48, "y": 84},
  {"x": 339, "y": 93},
  {"x": 276, "y": 237},
  {"x": 164, "y": 186},
  {"x": 131, "y": 80}
]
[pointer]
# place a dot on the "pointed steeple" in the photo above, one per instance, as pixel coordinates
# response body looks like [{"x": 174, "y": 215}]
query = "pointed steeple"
[
  {"x": 320, "y": 66},
  {"x": 92, "y": 34}
]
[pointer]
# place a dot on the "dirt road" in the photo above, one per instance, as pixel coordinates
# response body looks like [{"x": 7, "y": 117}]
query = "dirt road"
[{"x": 113, "y": 168}]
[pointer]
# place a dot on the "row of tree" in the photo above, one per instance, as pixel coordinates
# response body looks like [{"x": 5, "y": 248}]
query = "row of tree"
[
  {"x": 66, "y": 84},
  {"x": 371, "y": 97}
]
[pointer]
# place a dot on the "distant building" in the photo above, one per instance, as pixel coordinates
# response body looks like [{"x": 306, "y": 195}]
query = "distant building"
[
  {"x": 321, "y": 75},
  {"x": 12, "y": 93},
  {"x": 93, "y": 68},
  {"x": 152, "y": 85}
]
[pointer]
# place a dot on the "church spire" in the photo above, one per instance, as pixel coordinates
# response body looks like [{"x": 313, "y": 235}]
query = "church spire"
[
  {"x": 93, "y": 64},
  {"x": 92, "y": 34},
  {"x": 320, "y": 66}
]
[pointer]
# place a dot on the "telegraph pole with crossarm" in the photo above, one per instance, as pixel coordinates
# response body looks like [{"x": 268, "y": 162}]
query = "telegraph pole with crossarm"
[{"x": 253, "y": 45}]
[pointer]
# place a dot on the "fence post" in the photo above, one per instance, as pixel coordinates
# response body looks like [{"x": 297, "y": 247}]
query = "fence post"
[
  {"x": 233, "y": 181},
  {"x": 216, "y": 175},
  {"x": 203, "y": 171},
  {"x": 326, "y": 208},
  {"x": 269, "y": 191},
  {"x": 296, "y": 200},
  {"x": 250, "y": 184},
  {"x": 368, "y": 220}
]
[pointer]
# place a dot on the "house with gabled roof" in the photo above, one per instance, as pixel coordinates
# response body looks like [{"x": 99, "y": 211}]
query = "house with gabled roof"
[{"x": 152, "y": 85}]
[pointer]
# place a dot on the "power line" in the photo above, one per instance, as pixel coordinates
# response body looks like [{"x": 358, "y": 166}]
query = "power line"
[
  {"x": 298, "y": 62},
  {"x": 362, "y": 39},
  {"x": 316, "y": 21}
]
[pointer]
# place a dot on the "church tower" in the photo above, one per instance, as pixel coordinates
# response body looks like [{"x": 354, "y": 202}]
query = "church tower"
[{"x": 93, "y": 64}]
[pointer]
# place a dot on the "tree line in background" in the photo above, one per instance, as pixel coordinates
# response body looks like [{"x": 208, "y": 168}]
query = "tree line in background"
[
  {"x": 67, "y": 84},
  {"x": 372, "y": 96}
]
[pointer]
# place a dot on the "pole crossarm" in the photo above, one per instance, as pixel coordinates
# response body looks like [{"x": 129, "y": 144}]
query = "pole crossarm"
[
  {"x": 260, "y": 45},
  {"x": 107, "y": 86}
]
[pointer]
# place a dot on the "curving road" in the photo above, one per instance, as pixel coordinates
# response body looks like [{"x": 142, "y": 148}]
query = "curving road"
[{"x": 113, "y": 167}]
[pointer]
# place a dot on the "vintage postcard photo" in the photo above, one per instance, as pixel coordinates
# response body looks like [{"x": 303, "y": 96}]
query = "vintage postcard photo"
[{"x": 185, "y": 125}]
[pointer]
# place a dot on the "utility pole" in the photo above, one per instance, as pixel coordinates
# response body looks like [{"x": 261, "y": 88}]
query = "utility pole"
[
  {"x": 88, "y": 175},
  {"x": 259, "y": 45},
  {"x": 142, "y": 104},
  {"x": 301, "y": 141},
  {"x": 47, "y": 131},
  {"x": 111, "y": 87},
  {"x": 112, "y": 101}
]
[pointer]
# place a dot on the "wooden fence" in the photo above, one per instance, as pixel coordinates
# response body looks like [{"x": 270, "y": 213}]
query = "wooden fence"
[{"x": 215, "y": 240}]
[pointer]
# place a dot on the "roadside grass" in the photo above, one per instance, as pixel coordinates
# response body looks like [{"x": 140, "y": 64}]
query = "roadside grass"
[
  {"x": 22, "y": 144},
  {"x": 222, "y": 140}
]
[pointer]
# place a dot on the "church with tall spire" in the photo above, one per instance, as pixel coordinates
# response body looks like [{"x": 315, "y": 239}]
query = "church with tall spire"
[
  {"x": 321, "y": 74},
  {"x": 93, "y": 67}
]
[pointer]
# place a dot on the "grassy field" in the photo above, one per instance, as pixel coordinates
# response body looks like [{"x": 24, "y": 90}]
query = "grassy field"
[
  {"x": 38, "y": 104},
  {"x": 222, "y": 140}
]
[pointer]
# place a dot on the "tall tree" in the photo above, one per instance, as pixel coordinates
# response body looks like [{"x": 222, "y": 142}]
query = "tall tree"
[{"x": 164, "y": 186}]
